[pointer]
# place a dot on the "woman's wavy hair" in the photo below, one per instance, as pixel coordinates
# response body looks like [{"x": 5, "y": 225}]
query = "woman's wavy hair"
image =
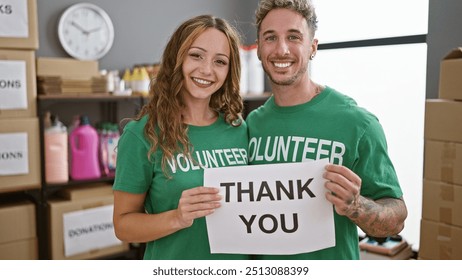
[{"x": 165, "y": 129}]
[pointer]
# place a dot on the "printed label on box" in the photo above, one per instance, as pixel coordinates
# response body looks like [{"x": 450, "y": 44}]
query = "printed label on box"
[
  {"x": 14, "y": 21},
  {"x": 13, "y": 86},
  {"x": 14, "y": 155},
  {"x": 88, "y": 230}
]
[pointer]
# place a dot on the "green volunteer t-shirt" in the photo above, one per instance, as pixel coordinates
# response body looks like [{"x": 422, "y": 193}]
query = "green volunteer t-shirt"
[
  {"x": 216, "y": 145},
  {"x": 329, "y": 126}
]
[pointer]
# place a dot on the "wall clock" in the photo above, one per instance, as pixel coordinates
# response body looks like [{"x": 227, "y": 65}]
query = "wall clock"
[{"x": 85, "y": 31}]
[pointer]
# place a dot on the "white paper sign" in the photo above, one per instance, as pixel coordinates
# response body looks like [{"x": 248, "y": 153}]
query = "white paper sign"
[
  {"x": 270, "y": 209},
  {"x": 87, "y": 230},
  {"x": 13, "y": 86},
  {"x": 14, "y": 20},
  {"x": 14, "y": 154}
]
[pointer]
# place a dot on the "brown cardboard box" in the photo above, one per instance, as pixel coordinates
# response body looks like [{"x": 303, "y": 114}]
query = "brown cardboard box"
[
  {"x": 86, "y": 191},
  {"x": 59, "y": 207},
  {"x": 12, "y": 15},
  {"x": 443, "y": 161},
  {"x": 450, "y": 84},
  {"x": 67, "y": 67},
  {"x": 19, "y": 250},
  {"x": 405, "y": 254},
  {"x": 442, "y": 203},
  {"x": 440, "y": 241},
  {"x": 17, "y": 222},
  {"x": 21, "y": 181},
  {"x": 443, "y": 119},
  {"x": 18, "y": 83}
]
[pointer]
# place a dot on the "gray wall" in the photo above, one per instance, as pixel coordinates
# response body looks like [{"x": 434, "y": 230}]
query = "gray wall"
[
  {"x": 142, "y": 27},
  {"x": 444, "y": 34}
]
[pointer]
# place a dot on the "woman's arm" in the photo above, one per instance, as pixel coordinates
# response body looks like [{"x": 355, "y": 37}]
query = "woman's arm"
[{"x": 133, "y": 224}]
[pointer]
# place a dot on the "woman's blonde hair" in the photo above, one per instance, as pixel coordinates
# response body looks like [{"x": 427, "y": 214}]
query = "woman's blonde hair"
[{"x": 165, "y": 129}]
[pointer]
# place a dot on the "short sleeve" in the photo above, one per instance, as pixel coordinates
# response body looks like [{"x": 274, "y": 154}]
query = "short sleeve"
[
  {"x": 374, "y": 166},
  {"x": 134, "y": 171}
]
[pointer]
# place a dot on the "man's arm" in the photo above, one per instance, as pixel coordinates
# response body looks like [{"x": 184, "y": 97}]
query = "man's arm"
[{"x": 379, "y": 218}]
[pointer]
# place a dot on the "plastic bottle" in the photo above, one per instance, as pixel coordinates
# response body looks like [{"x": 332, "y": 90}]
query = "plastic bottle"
[
  {"x": 113, "y": 140},
  {"x": 56, "y": 152},
  {"x": 144, "y": 82},
  {"x": 84, "y": 149},
  {"x": 109, "y": 137},
  {"x": 256, "y": 73},
  {"x": 127, "y": 78},
  {"x": 136, "y": 80}
]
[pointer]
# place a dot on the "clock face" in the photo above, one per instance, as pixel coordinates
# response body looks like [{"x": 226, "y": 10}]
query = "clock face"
[{"x": 85, "y": 31}]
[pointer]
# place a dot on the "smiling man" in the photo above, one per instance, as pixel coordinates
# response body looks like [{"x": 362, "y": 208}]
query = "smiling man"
[{"x": 304, "y": 120}]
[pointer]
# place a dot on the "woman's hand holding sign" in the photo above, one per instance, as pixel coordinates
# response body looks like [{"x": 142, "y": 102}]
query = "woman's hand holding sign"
[{"x": 196, "y": 203}]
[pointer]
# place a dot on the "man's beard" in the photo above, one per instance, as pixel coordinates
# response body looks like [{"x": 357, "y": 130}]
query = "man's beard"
[{"x": 289, "y": 81}]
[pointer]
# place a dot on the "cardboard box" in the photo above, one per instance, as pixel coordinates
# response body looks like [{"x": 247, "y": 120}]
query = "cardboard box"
[
  {"x": 57, "y": 209},
  {"x": 440, "y": 241},
  {"x": 405, "y": 254},
  {"x": 21, "y": 18},
  {"x": 442, "y": 120},
  {"x": 86, "y": 191},
  {"x": 442, "y": 203},
  {"x": 67, "y": 68},
  {"x": 443, "y": 161},
  {"x": 18, "y": 84},
  {"x": 450, "y": 84},
  {"x": 20, "y": 150},
  {"x": 17, "y": 222},
  {"x": 19, "y": 250}
]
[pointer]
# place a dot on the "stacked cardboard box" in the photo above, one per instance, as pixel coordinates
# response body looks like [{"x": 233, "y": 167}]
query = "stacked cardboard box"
[
  {"x": 81, "y": 224},
  {"x": 56, "y": 76},
  {"x": 19, "y": 126},
  {"x": 18, "y": 240},
  {"x": 441, "y": 224}
]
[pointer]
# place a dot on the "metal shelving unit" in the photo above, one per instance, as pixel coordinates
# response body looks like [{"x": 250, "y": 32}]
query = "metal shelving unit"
[{"x": 101, "y": 107}]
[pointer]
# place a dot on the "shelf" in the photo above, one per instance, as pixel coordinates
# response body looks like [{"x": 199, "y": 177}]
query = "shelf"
[
  {"x": 72, "y": 183},
  {"x": 98, "y": 107},
  {"x": 87, "y": 97}
]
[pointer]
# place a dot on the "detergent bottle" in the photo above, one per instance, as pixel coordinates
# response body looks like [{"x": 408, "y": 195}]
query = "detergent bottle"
[
  {"x": 83, "y": 141},
  {"x": 56, "y": 152}
]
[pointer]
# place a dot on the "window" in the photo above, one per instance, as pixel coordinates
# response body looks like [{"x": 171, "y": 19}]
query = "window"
[{"x": 376, "y": 53}]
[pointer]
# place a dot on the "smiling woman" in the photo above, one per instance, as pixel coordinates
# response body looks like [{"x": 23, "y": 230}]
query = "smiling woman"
[{"x": 158, "y": 192}]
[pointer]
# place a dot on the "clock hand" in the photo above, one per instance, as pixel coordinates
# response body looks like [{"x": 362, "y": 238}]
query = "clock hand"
[
  {"x": 94, "y": 29},
  {"x": 76, "y": 25}
]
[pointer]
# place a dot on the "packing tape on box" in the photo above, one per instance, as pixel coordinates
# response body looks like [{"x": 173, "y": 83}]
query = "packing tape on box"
[
  {"x": 446, "y": 215},
  {"x": 444, "y": 233},
  {"x": 448, "y": 157},
  {"x": 445, "y": 252},
  {"x": 447, "y": 193}
]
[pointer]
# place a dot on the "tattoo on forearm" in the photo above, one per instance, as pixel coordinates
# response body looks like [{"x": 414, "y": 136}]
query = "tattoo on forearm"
[{"x": 383, "y": 217}]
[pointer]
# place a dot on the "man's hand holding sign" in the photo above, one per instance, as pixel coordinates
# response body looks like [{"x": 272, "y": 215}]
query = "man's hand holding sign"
[{"x": 271, "y": 209}]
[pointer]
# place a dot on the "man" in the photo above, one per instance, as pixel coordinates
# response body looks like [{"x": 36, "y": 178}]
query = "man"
[{"x": 307, "y": 121}]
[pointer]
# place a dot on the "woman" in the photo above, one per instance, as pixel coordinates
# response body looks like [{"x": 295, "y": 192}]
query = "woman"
[{"x": 192, "y": 122}]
